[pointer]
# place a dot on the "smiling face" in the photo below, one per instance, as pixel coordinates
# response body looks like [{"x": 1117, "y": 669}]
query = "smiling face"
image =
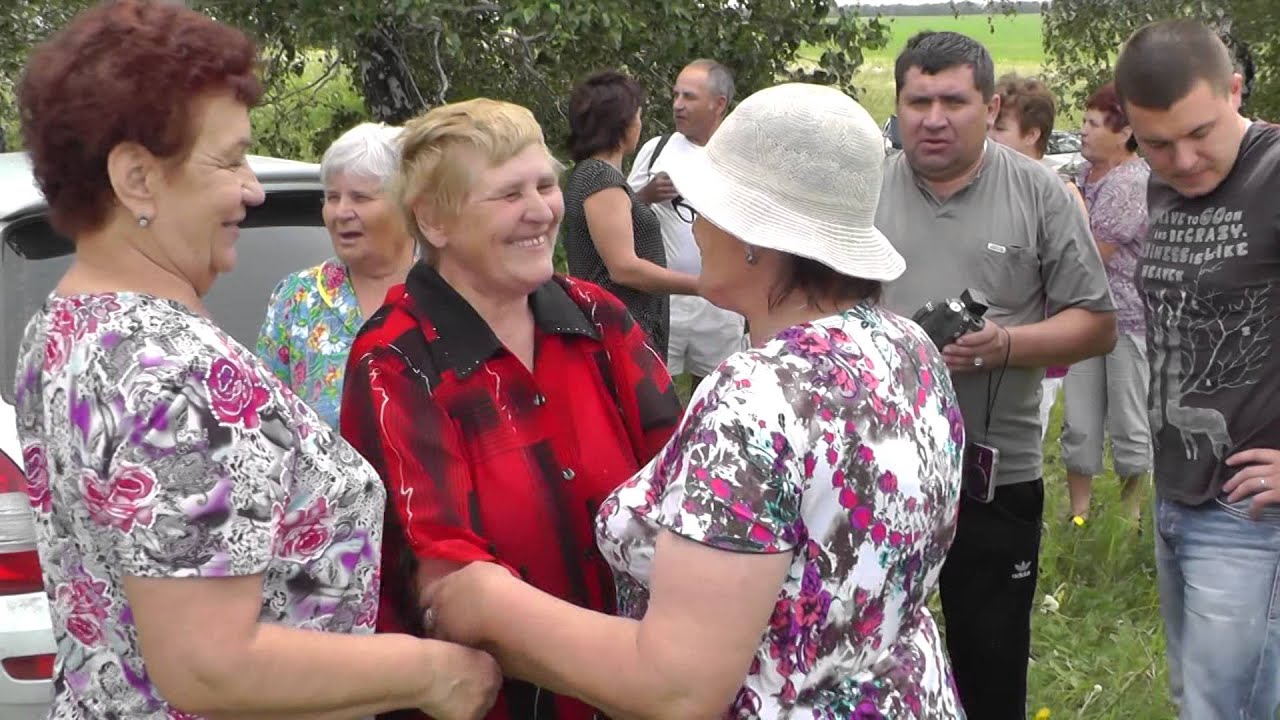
[
  {"x": 501, "y": 241},
  {"x": 366, "y": 230},
  {"x": 198, "y": 204},
  {"x": 943, "y": 120},
  {"x": 1194, "y": 143}
]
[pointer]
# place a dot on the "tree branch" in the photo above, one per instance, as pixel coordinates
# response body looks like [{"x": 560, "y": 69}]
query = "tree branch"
[{"x": 443, "y": 93}]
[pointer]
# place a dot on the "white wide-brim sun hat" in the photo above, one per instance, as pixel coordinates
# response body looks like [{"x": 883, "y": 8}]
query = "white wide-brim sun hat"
[{"x": 796, "y": 168}]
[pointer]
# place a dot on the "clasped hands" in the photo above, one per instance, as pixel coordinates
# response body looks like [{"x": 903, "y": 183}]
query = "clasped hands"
[{"x": 458, "y": 600}]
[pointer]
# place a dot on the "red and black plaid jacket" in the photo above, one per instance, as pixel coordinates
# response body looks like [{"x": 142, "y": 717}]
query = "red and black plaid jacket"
[{"x": 486, "y": 461}]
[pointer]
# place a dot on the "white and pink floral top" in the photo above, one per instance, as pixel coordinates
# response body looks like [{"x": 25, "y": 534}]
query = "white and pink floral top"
[
  {"x": 837, "y": 443},
  {"x": 157, "y": 446}
]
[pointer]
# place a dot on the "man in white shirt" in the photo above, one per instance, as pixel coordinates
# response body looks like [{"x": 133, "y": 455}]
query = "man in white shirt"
[{"x": 702, "y": 335}]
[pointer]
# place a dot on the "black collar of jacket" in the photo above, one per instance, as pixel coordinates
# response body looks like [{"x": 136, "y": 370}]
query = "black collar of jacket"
[{"x": 464, "y": 340}]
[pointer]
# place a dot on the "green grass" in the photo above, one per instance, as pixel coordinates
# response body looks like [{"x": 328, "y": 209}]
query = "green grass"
[
  {"x": 1100, "y": 653},
  {"x": 1011, "y": 39},
  {"x": 1014, "y": 43}
]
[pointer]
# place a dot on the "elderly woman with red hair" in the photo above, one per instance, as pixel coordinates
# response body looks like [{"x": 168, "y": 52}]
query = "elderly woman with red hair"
[
  {"x": 209, "y": 545},
  {"x": 1107, "y": 395}
]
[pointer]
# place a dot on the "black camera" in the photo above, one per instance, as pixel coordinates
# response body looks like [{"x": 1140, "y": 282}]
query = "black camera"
[{"x": 945, "y": 320}]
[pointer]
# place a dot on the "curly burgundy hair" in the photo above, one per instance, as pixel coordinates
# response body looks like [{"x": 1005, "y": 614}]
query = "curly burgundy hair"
[
  {"x": 1107, "y": 101},
  {"x": 123, "y": 71}
]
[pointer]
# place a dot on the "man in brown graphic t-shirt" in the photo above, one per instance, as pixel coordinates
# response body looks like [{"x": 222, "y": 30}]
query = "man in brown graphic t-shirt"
[{"x": 1210, "y": 282}]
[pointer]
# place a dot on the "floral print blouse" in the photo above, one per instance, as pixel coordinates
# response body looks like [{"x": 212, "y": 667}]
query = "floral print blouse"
[
  {"x": 157, "y": 446},
  {"x": 1118, "y": 215},
  {"x": 312, "y": 318},
  {"x": 839, "y": 443}
]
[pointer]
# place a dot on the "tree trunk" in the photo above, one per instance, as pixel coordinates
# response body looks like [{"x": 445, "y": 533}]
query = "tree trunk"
[{"x": 389, "y": 90}]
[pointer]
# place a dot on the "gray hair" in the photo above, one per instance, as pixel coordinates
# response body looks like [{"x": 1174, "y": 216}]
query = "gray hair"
[
  {"x": 719, "y": 78},
  {"x": 370, "y": 150}
]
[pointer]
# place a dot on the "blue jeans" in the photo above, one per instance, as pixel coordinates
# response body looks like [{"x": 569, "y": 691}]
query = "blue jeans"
[{"x": 1219, "y": 581}]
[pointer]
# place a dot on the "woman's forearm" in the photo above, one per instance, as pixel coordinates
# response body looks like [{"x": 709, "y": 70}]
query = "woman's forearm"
[
  {"x": 645, "y": 276},
  {"x": 600, "y": 659},
  {"x": 345, "y": 714},
  {"x": 286, "y": 671}
]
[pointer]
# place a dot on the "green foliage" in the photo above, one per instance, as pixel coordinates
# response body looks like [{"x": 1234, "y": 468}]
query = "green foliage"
[
  {"x": 403, "y": 56},
  {"x": 303, "y": 113},
  {"x": 22, "y": 25},
  {"x": 1082, "y": 38},
  {"x": 409, "y": 54}
]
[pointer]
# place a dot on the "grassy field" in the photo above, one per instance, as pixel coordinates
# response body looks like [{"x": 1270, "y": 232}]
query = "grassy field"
[
  {"x": 1012, "y": 39},
  {"x": 1014, "y": 42},
  {"x": 1098, "y": 645}
]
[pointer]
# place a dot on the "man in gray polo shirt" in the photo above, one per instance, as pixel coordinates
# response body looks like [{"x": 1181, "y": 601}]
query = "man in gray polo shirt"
[{"x": 968, "y": 214}]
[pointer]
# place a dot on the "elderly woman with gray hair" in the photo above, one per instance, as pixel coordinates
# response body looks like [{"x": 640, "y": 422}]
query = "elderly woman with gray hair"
[{"x": 314, "y": 314}]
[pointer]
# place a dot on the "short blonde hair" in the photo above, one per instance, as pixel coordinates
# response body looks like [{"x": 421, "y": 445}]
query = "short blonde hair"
[{"x": 435, "y": 148}]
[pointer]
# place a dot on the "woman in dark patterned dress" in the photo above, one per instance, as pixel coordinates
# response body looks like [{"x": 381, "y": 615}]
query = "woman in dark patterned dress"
[{"x": 612, "y": 238}]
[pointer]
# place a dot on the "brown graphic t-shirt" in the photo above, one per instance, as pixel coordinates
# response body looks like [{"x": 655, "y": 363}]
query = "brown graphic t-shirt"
[{"x": 1210, "y": 283}]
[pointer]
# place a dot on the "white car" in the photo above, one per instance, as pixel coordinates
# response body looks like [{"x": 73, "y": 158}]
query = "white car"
[
  {"x": 1063, "y": 153},
  {"x": 282, "y": 235}
]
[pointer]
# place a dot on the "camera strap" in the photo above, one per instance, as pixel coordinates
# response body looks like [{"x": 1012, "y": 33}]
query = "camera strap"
[{"x": 991, "y": 397}]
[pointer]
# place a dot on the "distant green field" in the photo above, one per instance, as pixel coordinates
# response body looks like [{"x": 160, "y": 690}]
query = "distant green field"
[
  {"x": 1011, "y": 39},
  {"x": 1014, "y": 43}
]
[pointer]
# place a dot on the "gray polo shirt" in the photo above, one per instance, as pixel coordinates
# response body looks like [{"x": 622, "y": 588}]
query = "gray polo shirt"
[{"x": 1014, "y": 236}]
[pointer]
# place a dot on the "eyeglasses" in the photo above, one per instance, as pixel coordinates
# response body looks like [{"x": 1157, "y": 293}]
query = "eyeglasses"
[{"x": 684, "y": 210}]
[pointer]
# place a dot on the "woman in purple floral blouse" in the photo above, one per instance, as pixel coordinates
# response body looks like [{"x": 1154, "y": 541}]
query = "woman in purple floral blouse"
[
  {"x": 776, "y": 558},
  {"x": 1107, "y": 395},
  {"x": 209, "y": 546}
]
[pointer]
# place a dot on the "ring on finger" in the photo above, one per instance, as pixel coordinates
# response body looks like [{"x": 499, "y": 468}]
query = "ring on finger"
[{"x": 977, "y": 362}]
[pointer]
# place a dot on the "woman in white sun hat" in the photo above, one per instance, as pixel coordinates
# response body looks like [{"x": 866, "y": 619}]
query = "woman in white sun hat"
[{"x": 776, "y": 558}]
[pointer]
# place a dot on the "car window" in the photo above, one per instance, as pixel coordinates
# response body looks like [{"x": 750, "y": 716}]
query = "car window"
[{"x": 279, "y": 237}]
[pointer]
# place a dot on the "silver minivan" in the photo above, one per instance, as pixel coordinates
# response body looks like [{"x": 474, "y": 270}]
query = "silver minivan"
[{"x": 282, "y": 235}]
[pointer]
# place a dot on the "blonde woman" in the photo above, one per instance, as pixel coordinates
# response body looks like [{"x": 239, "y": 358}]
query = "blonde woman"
[{"x": 500, "y": 402}]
